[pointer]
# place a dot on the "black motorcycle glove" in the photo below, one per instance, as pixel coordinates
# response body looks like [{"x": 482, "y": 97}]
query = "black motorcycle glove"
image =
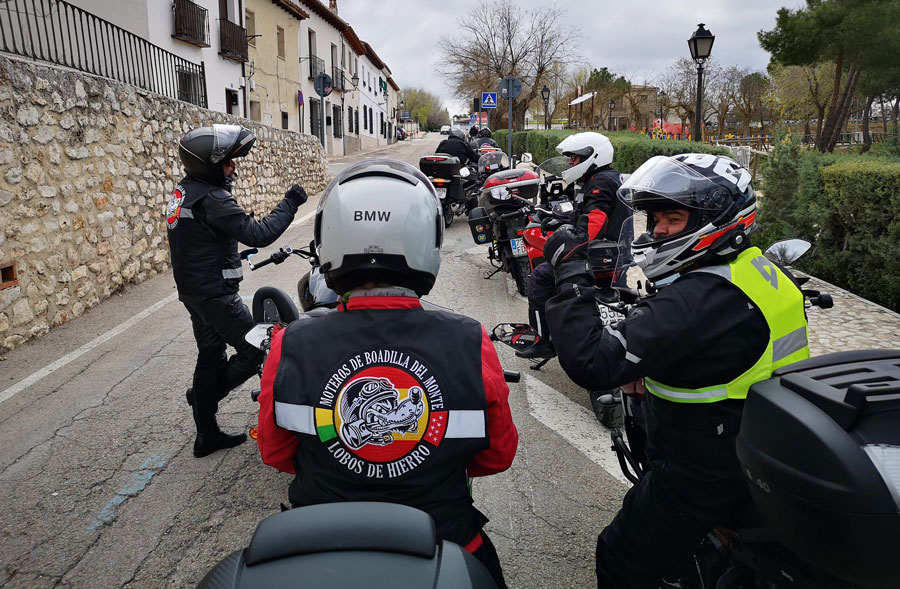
[
  {"x": 296, "y": 195},
  {"x": 566, "y": 251}
]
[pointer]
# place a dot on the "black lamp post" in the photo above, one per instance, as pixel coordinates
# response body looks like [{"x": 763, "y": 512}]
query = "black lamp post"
[
  {"x": 700, "y": 44},
  {"x": 545, "y": 94},
  {"x": 660, "y": 106},
  {"x": 612, "y": 105}
]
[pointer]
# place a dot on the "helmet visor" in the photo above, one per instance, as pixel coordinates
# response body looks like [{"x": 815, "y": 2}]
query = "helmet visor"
[
  {"x": 225, "y": 138},
  {"x": 662, "y": 182}
]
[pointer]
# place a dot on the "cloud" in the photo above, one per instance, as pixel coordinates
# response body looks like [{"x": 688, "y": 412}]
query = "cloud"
[{"x": 638, "y": 39}]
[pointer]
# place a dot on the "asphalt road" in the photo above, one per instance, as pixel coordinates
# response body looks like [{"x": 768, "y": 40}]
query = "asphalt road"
[{"x": 100, "y": 487}]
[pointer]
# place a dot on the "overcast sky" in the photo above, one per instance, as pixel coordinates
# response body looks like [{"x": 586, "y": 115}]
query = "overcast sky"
[{"x": 639, "y": 39}]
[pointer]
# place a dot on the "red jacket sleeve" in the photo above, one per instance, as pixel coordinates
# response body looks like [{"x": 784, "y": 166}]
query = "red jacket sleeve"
[
  {"x": 276, "y": 445},
  {"x": 504, "y": 438}
]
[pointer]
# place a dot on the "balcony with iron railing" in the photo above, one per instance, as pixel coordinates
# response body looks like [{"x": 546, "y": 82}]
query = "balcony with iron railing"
[
  {"x": 233, "y": 41},
  {"x": 337, "y": 74},
  {"x": 191, "y": 23},
  {"x": 316, "y": 66}
]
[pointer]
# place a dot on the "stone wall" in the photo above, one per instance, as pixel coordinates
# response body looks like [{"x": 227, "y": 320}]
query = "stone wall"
[{"x": 87, "y": 166}]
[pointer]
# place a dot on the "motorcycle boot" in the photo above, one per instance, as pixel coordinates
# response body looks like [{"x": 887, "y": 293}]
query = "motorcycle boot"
[
  {"x": 209, "y": 437},
  {"x": 544, "y": 346}
]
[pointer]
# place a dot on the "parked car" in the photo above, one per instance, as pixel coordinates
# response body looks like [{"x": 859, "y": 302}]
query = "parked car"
[
  {"x": 445, "y": 130},
  {"x": 401, "y": 134}
]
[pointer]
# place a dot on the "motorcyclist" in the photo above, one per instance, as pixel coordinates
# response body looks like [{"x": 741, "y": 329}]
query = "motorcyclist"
[
  {"x": 599, "y": 215},
  {"x": 484, "y": 137},
  {"x": 381, "y": 400},
  {"x": 729, "y": 319},
  {"x": 457, "y": 146},
  {"x": 473, "y": 131},
  {"x": 205, "y": 224}
]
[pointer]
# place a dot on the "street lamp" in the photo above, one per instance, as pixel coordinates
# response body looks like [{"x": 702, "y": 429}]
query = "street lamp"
[
  {"x": 660, "y": 107},
  {"x": 545, "y": 94},
  {"x": 700, "y": 44},
  {"x": 612, "y": 105}
]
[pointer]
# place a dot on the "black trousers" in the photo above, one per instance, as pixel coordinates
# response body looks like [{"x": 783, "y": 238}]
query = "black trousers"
[
  {"x": 693, "y": 483},
  {"x": 218, "y": 322},
  {"x": 488, "y": 556}
]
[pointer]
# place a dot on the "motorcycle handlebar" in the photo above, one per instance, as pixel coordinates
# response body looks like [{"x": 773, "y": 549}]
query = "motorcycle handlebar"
[{"x": 279, "y": 256}]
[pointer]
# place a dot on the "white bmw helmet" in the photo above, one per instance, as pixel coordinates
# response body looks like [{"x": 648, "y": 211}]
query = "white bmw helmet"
[
  {"x": 594, "y": 149},
  {"x": 379, "y": 220},
  {"x": 714, "y": 190}
]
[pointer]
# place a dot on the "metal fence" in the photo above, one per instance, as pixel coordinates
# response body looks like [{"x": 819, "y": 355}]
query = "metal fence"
[{"x": 56, "y": 31}]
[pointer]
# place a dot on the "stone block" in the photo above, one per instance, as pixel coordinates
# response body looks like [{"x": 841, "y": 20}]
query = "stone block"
[
  {"x": 39, "y": 329},
  {"x": 21, "y": 312},
  {"x": 4, "y": 323},
  {"x": 40, "y": 307},
  {"x": 12, "y": 342},
  {"x": 9, "y": 295},
  {"x": 78, "y": 153},
  {"x": 28, "y": 116},
  {"x": 79, "y": 272},
  {"x": 5, "y": 197},
  {"x": 60, "y": 318},
  {"x": 44, "y": 135},
  {"x": 14, "y": 175},
  {"x": 48, "y": 191}
]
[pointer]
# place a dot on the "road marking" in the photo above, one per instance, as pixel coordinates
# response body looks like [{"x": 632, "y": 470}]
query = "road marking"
[
  {"x": 137, "y": 483},
  {"x": 305, "y": 217},
  {"x": 576, "y": 424},
  {"x": 50, "y": 368}
]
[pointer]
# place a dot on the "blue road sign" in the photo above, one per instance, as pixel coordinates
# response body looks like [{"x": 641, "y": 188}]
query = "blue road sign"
[
  {"x": 488, "y": 100},
  {"x": 472, "y": 119}
]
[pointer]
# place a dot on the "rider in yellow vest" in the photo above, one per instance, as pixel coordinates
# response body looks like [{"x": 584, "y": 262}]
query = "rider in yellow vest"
[{"x": 726, "y": 318}]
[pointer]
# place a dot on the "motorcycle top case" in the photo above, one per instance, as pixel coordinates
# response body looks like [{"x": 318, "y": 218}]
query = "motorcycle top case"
[
  {"x": 501, "y": 188},
  {"x": 440, "y": 166},
  {"x": 820, "y": 446}
]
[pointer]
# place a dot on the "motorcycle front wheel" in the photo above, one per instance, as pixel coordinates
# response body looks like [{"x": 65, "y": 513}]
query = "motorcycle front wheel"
[{"x": 448, "y": 214}]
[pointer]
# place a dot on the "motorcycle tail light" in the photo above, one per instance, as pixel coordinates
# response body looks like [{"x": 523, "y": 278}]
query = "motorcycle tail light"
[{"x": 253, "y": 433}]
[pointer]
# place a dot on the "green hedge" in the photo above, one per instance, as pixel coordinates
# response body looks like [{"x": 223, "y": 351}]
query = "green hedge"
[
  {"x": 631, "y": 149},
  {"x": 847, "y": 206}
]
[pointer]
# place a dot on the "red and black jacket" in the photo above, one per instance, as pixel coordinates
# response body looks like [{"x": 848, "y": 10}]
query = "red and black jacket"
[
  {"x": 385, "y": 401},
  {"x": 601, "y": 213}
]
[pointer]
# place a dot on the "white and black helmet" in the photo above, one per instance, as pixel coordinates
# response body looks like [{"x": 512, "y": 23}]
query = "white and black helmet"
[
  {"x": 380, "y": 221},
  {"x": 721, "y": 205},
  {"x": 594, "y": 149},
  {"x": 205, "y": 149}
]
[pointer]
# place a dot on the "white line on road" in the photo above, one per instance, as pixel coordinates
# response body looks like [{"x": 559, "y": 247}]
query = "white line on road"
[
  {"x": 305, "y": 217},
  {"x": 576, "y": 424},
  {"x": 50, "y": 368}
]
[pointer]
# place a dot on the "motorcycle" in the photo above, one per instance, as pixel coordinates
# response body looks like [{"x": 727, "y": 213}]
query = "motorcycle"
[
  {"x": 825, "y": 493},
  {"x": 497, "y": 221},
  {"x": 447, "y": 175}
]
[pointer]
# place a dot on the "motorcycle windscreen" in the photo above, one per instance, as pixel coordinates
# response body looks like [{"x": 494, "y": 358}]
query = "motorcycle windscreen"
[
  {"x": 553, "y": 167},
  {"x": 612, "y": 259},
  {"x": 493, "y": 162}
]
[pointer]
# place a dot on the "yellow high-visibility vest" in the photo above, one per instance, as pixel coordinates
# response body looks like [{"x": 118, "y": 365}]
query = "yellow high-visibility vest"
[{"x": 780, "y": 301}]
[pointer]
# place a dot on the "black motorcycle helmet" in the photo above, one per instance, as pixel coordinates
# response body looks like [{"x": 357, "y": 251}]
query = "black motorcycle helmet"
[
  {"x": 204, "y": 150},
  {"x": 458, "y": 134},
  {"x": 484, "y": 132}
]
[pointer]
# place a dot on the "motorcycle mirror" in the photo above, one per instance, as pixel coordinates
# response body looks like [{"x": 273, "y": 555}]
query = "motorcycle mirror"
[
  {"x": 527, "y": 158},
  {"x": 787, "y": 251},
  {"x": 519, "y": 336},
  {"x": 464, "y": 172},
  {"x": 258, "y": 336}
]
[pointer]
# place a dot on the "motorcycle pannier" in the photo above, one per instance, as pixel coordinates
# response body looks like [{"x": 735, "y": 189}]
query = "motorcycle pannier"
[
  {"x": 480, "y": 225},
  {"x": 820, "y": 446}
]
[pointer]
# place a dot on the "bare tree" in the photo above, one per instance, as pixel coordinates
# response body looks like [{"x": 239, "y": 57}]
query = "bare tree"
[
  {"x": 500, "y": 39},
  {"x": 748, "y": 95}
]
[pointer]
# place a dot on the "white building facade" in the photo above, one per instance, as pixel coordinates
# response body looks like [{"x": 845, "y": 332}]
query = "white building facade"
[{"x": 210, "y": 32}]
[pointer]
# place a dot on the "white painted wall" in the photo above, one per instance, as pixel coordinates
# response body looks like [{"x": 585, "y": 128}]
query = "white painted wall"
[
  {"x": 326, "y": 36},
  {"x": 153, "y": 20}
]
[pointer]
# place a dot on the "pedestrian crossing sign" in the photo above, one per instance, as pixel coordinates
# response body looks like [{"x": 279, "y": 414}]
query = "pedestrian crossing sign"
[{"x": 488, "y": 100}]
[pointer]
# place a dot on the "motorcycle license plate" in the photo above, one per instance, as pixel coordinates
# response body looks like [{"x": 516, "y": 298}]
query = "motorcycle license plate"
[
  {"x": 608, "y": 316},
  {"x": 518, "y": 246},
  {"x": 441, "y": 192}
]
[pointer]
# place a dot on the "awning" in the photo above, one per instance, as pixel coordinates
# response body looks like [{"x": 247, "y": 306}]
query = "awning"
[{"x": 582, "y": 98}]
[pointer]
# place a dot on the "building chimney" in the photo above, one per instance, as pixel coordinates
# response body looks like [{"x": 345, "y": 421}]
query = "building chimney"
[{"x": 332, "y": 6}]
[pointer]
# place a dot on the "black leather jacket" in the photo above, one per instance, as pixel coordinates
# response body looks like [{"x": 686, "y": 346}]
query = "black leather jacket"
[
  {"x": 205, "y": 224},
  {"x": 458, "y": 148}
]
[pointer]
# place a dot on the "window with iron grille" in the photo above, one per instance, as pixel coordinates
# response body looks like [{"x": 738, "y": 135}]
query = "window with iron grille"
[
  {"x": 284, "y": 120},
  {"x": 337, "y": 123},
  {"x": 356, "y": 121},
  {"x": 315, "y": 117},
  {"x": 188, "y": 85},
  {"x": 350, "y": 119}
]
